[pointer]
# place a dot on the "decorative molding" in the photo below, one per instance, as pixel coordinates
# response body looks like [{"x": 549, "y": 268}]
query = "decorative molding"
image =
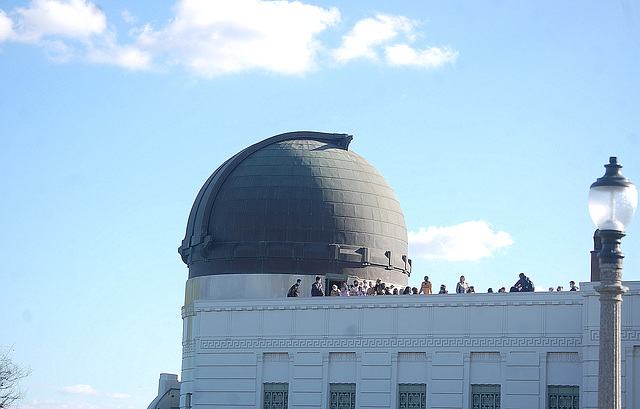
[
  {"x": 189, "y": 348},
  {"x": 303, "y": 303},
  {"x": 626, "y": 335},
  {"x": 412, "y": 357},
  {"x": 342, "y": 357},
  {"x": 573, "y": 357},
  {"x": 383, "y": 343},
  {"x": 505, "y": 321},
  {"x": 188, "y": 311},
  {"x": 485, "y": 357},
  {"x": 467, "y": 321},
  {"x": 275, "y": 357}
]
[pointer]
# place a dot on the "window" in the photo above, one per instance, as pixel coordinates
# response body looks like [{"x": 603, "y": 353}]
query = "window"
[
  {"x": 342, "y": 395},
  {"x": 276, "y": 395},
  {"x": 412, "y": 396},
  {"x": 485, "y": 396},
  {"x": 564, "y": 397}
]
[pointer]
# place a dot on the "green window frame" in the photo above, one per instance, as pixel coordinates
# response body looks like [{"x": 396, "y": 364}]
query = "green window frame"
[
  {"x": 342, "y": 396},
  {"x": 485, "y": 396},
  {"x": 276, "y": 395},
  {"x": 563, "y": 396},
  {"x": 412, "y": 396}
]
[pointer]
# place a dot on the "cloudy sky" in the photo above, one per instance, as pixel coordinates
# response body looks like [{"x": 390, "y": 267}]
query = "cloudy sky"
[{"x": 490, "y": 121}]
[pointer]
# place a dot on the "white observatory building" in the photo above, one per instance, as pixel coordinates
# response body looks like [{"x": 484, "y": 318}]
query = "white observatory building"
[{"x": 300, "y": 205}]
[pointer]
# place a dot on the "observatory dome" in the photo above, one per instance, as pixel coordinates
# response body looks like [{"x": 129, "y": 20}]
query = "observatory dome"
[{"x": 298, "y": 203}]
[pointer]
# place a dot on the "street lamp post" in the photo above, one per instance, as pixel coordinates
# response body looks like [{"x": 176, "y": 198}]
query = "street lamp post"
[{"x": 612, "y": 202}]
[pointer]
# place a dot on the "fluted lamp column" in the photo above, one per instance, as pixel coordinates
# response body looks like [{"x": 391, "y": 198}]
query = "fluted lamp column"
[{"x": 612, "y": 202}]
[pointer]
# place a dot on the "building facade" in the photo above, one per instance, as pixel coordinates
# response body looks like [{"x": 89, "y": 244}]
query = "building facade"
[
  {"x": 509, "y": 350},
  {"x": 301, "y": 205}
]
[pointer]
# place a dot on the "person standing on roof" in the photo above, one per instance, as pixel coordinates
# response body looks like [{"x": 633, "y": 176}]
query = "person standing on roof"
[
  {"x": 316, "y": 288},
  {"x": 462, "y": 286},
  {"x": 526, "y": 285},
  {"x": 294, "y": 291},
  {"x": 426, "y": 287}
]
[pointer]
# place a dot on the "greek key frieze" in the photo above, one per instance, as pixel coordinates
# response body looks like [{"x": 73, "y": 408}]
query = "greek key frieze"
[
  {"x": 392, "y": 343},
  {"x": 626, "y": 335}
]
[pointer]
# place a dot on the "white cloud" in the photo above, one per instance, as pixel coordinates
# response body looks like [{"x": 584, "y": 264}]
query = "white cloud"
[
  {"x": 123, "y": 56},
  {"x": 371, "y": 32},
  {"x": 57, "y": 50},
  {"x": 84, "y": 390},
  {"x": 76, "y": 19},
  {"x": 466, "y": 241},
  {"x": 431, "y": 57},
  {"x": 213, "y": 37},
  {"x": 389, "y": 35},
  {"x": 128, "y": 17},
  {"x": 6, "y": 27}
]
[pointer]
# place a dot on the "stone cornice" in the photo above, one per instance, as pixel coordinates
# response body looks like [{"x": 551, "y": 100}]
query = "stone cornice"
[{"x": 392, "y": 301}]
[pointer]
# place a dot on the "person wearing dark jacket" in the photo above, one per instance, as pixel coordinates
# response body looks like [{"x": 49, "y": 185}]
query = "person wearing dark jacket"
[
  {"x": 573, "y": 286},
  {"x": 526, "y": 285},
  {"x": 316, "y": 288},
  {"x": 380, "y": 287},
  {"x": 294, "y": 291}
]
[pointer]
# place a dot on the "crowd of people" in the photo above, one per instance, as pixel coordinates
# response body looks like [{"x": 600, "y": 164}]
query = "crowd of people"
[
  {"x": 368, "y": 288},
  {"x": 572, "y": 287}
]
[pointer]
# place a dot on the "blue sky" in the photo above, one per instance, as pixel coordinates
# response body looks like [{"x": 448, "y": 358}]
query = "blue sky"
[{"x": 489, "y": 120}]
